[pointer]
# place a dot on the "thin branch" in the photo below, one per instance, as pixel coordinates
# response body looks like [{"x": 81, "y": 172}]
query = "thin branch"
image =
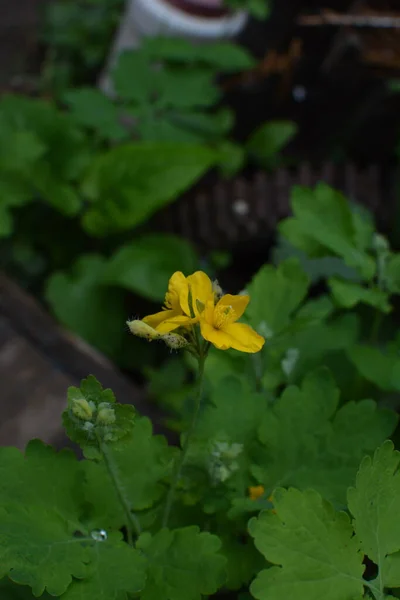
[{"x": 327, "y": 17}]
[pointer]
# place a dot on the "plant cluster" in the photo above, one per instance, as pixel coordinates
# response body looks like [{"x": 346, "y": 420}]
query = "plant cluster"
[
  {"x": 83, "y": 174},
  {"x": 286, "y": 482}
]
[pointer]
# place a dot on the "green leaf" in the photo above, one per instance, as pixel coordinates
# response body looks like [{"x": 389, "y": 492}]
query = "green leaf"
[
  {"x": 64, "y": 147},
  {"x": 381, "y": 368},
  {"x": 374, "y": 503},
  {"x": 275, "y": 294},
  {"x": 392, "y": 274},
  {"x": 93, "y": 414},
  {"x": 183, "y": 564},
  {"x": 145, "y": 265},
  {"x": 312, "y": 546},
  {"x": 143, "y": 463},
  {"x": 269, "y": 139},
  {"x": 310, "y": 443},
  {"x": 182, "y": 88},
  {"x": 29, "y": 479},
  {"x": 24, "y": 148},
  {"x": 12, "y": 193},
  {"x": 39, "y": 515},
  {"x": 222, "y": 56},
  {"x": 90, "y": 309},
  {"x": 243, "y": 561},
  {"x": 233, "y": 414},
  {"x": 90, "y": 108},
  {"x": 348, "y": 295},
  {"x": 44, "y": 543},
  {"x": 134, "y": 78},
  {"x": 129, "y": 183},
  {"x": 260, "y": 9},
  {"x": 117, "y": 571},
  {"x": 323, "y": 219},
  {"x": 13, "y": 591},
  {"x": 30, "y": 533}
]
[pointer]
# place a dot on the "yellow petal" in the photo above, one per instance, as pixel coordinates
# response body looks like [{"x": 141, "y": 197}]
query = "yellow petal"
[
  {"x": 243, "y": 337},
  {"x": 201, "y": 290},
  {"x": 237, "y": 303},
  {"x": 155, "y": 320},
  {"x": 176, "y": 285},
  {"x": 208, "y": 315},
  {"x": 217, "y": 337},
  {"x": 174, "y": 322}
]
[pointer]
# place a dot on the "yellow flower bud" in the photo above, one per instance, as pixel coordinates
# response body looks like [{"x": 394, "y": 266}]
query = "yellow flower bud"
[
  {"x": 81, "y": 408},
  {"x": 256, "y": 491},
  {"x": 143, "y": 330}
]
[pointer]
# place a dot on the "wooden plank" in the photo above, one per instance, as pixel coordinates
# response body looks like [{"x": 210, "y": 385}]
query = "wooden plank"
[{"x": 38, "y": 361}]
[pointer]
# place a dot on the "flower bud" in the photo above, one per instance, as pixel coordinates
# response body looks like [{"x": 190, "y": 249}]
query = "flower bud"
[
  {"x": 175, "y": 341},
  {"x": 106, "y": 416},
  {"x": 143, "y": 330},
  {"x": 217, "y": 289},
  {"x": 256, "y": 491},
  {"x": 82, "y": 409}
]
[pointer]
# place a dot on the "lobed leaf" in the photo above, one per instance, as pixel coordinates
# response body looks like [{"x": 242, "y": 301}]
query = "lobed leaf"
[
  {"x": 183, "y": 564},
  {"x": 312, "y": 546}
]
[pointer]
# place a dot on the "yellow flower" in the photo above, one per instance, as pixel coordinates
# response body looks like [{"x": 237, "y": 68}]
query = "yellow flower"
[
  {"x": 256, "y": 491},
  {"x": 184, "y": 301},
  {"x": 218, "y": 325}
]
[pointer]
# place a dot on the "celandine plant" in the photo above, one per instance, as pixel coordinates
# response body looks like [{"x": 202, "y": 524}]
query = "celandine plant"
[{"x": 285, "y": 484}]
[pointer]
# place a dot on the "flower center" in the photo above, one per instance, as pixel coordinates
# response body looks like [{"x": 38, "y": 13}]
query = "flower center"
[{"x": 223, "y": 315}]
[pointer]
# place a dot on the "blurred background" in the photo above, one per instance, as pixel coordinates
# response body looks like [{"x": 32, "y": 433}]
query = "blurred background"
[{"x": 142, "y": 137}]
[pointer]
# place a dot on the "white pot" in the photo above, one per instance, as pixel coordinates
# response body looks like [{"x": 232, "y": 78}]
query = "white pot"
[{"x": 158, "y": 18}]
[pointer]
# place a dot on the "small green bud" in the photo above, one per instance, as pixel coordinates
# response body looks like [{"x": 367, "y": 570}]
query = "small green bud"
[
  {"x": 106, "y": 416},
  {"x": 82, "y": 409}
]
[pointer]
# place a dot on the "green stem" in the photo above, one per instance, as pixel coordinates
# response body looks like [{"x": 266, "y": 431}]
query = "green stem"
[
  {"x": 178, "y": 468},
  {"x": 133, "y": 523}
]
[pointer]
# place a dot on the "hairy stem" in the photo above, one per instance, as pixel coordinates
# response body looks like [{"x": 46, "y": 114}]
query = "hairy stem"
[
  {"x": 179, "y": 465},
  {"x": 132, "y": 522}
]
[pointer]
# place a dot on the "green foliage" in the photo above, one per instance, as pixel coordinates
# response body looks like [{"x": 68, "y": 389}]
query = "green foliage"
[
  {"x": 145, "y": 266},
  {"x": 277, "y": 436},
  {"x": 41, "y": 511},
  {"x": 127, "y": 184},
  {"x": 165, "y": 92},
  {"x": 324, "y": 223},
  {"x": 90, "y": 299},
  {"x": 259, "y": 9},
  {"x": 276, "y": 293},
  {"x": 94, "y": 311},
  {"x": 93, "y": 416},
  {"x": 309, "y": 442},
  {"x": 372, "y": 502},
  {"x": 78, "y": 35},
  {"x": 144, "y": 454},
  {"x": 315, "y": 546},
  {"x": 45, "y": 158},
  {"x": 184, "y": 564},
  {"x": 268, "y": 140},
  {"x": 381, "y": 368}
]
